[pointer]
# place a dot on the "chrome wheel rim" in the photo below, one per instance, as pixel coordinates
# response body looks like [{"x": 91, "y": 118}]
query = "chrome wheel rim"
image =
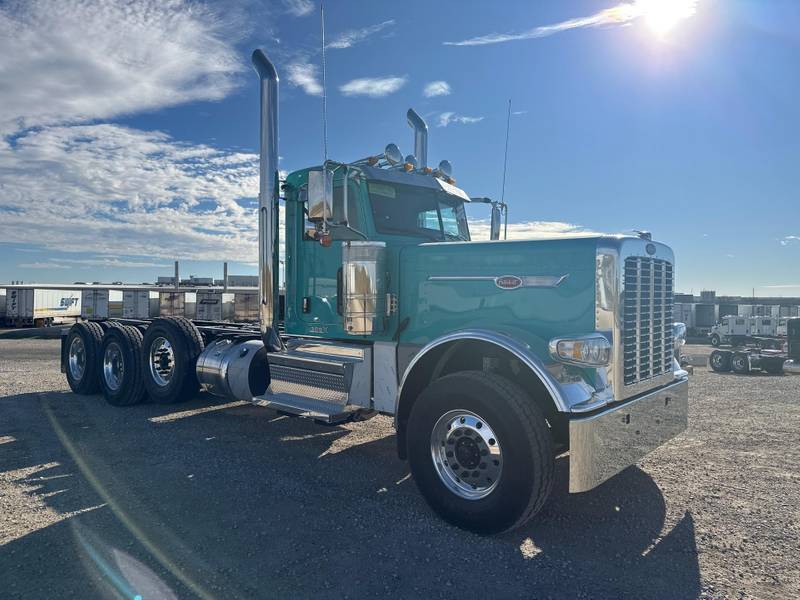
[
  {"x": 77, "y": 358},
  {"x": 113, "y": 366},
  {"x": 162, "y": 361},
  {"x": 466, "y": 454},
  {"x": 716, "y": 360}
]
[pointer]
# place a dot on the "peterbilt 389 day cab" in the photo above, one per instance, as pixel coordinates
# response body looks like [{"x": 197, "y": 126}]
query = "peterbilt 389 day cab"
[{"x": 491, "y": 356}]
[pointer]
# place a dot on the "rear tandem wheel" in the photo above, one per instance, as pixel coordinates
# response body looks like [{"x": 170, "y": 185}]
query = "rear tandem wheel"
[
  {"x": 720, "y": 361},
  {"x": 169, "y": 359},
  {"x": 119, "y": 364}
]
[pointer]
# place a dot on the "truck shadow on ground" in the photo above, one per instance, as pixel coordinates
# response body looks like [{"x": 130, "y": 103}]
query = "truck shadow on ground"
[{"x": 236, "y": 501}]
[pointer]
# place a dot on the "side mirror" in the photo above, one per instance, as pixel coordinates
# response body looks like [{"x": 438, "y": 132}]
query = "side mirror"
[
  {"x": 494, "y": 227},
  {"x": 320, "y": 195}
]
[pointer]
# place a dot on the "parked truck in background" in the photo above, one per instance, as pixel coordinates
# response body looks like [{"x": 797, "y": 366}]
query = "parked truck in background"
[
  {"x": 762, "y": 354},
  {"x": 757, "y": 330},
  {"x": 492, "y": 357}
]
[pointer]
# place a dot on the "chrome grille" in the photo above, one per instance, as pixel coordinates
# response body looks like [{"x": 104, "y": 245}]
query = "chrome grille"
[{"x": 646, "y": 319}]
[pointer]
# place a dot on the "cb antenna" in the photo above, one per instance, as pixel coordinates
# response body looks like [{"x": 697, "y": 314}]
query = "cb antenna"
[
  {"x": 505, "y": 157},
  {"x": 505, "y": 169},
  {"x": 324, "y": 87}
]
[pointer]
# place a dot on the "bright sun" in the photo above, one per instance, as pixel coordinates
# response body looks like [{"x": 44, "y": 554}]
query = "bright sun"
[{"x": 662, "y": 15}]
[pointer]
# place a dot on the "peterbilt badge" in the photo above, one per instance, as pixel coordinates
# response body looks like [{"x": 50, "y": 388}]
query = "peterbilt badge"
[{"x": 508, "y": 282}]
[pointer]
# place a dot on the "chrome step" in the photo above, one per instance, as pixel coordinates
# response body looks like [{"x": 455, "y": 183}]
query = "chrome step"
[{"x": 323, "y": 380}]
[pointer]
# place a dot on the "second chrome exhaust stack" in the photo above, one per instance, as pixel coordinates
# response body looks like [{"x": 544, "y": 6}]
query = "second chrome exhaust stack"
[{"x": 420, "y": 137}]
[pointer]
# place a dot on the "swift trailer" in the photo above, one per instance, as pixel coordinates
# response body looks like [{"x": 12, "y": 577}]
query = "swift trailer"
[
  {"x": 492, "y": 357},
  {"x": 41, "y": 307}
]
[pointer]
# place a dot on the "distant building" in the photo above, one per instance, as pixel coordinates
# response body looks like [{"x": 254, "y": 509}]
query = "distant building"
[
  {"x": 708, "y": 296},
  {"x": 243, "y": 280}
]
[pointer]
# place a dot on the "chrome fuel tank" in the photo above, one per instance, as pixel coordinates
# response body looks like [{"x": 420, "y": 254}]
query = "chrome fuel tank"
[{"x": 234, "y": 369}]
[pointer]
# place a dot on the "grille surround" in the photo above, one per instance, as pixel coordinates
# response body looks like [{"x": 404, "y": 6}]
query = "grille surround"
[{"x": 617, "y": 298}]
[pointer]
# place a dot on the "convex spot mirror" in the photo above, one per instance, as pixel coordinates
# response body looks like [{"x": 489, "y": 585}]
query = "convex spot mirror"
[{"x": 393, "y": 155}]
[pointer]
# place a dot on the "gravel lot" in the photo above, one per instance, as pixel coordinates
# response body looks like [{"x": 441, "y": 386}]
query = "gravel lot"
[{"x": 227, "y": 500}]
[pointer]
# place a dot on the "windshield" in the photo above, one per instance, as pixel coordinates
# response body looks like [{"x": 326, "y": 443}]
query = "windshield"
[{"x": 416, "y": 211}]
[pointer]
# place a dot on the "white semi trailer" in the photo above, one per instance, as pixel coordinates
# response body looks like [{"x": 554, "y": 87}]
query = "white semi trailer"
[{"x": 41, "y": 307}]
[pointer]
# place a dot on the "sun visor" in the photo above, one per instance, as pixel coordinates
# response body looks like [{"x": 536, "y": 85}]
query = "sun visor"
[{"x": 415, "y": 179}]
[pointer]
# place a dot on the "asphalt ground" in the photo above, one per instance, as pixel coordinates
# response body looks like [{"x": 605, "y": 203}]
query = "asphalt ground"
[{"x": 216, "y": 499}]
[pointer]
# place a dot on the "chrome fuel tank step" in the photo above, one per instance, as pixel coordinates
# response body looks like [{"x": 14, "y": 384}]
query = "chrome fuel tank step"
[{"x": 327, "y": 381}]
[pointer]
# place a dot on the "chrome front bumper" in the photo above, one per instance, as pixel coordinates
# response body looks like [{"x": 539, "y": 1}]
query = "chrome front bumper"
[{"x": 605, "y": 443}]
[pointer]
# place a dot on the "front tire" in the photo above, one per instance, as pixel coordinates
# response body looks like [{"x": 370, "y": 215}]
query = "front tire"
[
  {"x": 480, "y": 451},
  {"x": 715, "y": 341}
]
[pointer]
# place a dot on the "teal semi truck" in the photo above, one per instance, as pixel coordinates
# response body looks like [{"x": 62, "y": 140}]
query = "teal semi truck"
[{"x": 493, "y": 357}]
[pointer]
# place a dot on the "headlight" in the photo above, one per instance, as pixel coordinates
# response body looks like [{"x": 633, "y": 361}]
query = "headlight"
[{"x": 587, "y": 351}]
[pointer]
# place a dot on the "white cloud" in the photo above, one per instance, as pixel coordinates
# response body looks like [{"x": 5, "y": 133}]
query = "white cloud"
[
  {"x": 374, "y": 87},
  {"x": 531, "y": 230},
  {"x": 519, "y": 112},
  {"x": 622, "y": 14},
  {"x": 77, "y": 60},
  {"x": 85, "y": 263},
  {"x": 299, "y": 8},
  {"x": 790, "y": 239},
  {"x": 436, "y": 88},
  {"x": 446, "y": 118},
  {"x": 114, "y": 191},
  {"x": 305, "y": 75},
  {"x": 350, "y": 38},
  {"x": 43, "y": 265}
]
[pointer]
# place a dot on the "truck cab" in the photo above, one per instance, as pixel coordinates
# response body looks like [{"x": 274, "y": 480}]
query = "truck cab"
[{"x": 379, "y": 214}]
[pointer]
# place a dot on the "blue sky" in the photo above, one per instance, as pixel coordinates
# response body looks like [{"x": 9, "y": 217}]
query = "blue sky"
[{"x": 127, "y": 137}]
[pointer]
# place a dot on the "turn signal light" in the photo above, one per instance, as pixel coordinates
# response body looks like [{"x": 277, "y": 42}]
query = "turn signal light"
[{"x": 588, "y": 351}]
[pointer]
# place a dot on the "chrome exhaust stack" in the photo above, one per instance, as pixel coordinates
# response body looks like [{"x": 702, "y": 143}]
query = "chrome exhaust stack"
[
  {"x": 268, "y": 193},
  {"x": 239, "y": 369},
  {"x": 420, "y": 137}
]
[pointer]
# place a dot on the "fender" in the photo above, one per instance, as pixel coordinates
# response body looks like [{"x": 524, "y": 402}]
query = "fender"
[{"x": 522, "y": 351}]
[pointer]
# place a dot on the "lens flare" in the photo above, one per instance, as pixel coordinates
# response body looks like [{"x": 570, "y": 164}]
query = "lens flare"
[{"x": 662, "y": 16}]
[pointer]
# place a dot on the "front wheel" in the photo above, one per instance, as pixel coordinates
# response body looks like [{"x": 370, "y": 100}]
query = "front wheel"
[
  {"x": 715, "y": 341},
  {"x": 481, "y": 452}
]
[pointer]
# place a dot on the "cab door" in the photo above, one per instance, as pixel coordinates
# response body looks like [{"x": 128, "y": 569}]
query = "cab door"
[{"x": 319, "y": 280}]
